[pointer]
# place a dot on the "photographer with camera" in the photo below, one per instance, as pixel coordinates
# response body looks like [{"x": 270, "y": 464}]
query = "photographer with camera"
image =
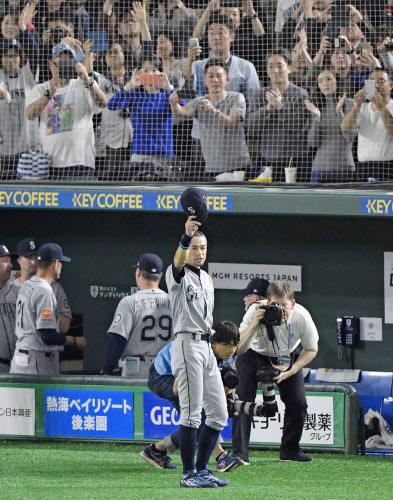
[
  {"x": 162, "y": 383},
  {"x": 269, "y": 336}
]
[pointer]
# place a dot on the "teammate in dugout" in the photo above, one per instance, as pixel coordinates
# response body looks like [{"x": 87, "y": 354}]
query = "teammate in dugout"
[
  {"x": 277, "y": 349},
  {"x": 27, "y": 250},
  {"x": 37, "y": 319},
  {"x": 162, "y": 383},
  {"x": 142, "y": 324},
  {"x": 191, "y": 294},
  {"x": 8, "y": 296}
]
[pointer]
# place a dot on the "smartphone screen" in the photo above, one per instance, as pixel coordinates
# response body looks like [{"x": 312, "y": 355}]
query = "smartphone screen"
[
  {"x": 194, "y": 42},
  {"x": 150, "y": 80},
  {"x": 369, "y": 89}
]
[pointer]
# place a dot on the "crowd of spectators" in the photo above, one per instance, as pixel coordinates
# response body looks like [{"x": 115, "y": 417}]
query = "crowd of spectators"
[{"x": 173, "y": 90}]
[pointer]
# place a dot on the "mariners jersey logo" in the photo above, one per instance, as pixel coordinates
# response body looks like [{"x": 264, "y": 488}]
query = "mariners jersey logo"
[
  {"x": 118, "y": 318},
  {"x": 193, "y": 293},
  {"x": 94, "y": 291}
]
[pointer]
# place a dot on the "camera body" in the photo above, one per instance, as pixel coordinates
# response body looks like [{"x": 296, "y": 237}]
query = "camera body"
[
  {"x": 266, "y": 374},
  {"x": 389, "y": 47},
  {"x": 273, "y": 314},
  {"x": 58, "y": 34},
  {"x": 229, "y": 376}
]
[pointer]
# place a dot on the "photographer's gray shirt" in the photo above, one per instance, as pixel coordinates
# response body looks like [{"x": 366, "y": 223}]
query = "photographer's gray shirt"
[
  {"x": 224, "y": 149},
  {"x": 301, "y": 327},
  {"x": 282, "y": 133}
]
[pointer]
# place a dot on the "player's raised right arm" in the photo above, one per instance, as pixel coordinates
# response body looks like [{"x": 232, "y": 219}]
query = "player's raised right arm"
[{"x": 181, "y": 254}]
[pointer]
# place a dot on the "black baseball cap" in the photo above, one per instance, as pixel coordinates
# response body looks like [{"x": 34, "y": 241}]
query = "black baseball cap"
[
  {"x": 193, "y": 201},
  {"x": 258, "y": 286},
  {"x": 4, "y": 252},
  {"x": 150, "y": 262},
  {"x": 51, "y": 251},
  {"x": 28, "y": 247}
]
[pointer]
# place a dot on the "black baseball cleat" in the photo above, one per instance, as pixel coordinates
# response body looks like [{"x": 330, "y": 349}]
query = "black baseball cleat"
[{"x": 295, "y": 457}]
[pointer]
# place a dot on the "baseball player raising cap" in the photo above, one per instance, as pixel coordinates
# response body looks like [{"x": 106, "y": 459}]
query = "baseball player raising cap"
[{"x": 199, "y": 382}]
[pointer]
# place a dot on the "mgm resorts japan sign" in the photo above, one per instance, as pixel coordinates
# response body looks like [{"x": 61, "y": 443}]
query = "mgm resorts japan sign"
[{"x": 237, "y": 276}]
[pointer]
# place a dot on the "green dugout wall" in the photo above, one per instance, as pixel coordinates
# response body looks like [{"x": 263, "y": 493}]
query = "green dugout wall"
[{"x": 338, "y": 237}]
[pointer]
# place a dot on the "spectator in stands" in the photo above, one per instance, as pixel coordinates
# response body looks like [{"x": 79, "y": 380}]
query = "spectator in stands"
[
  {"x": 333, "y": 161},
  {"x": 165, "y": 49},
  {"x": 279, "y": 121},
  {"x": 57, "y": 29},
  {"x": 340, "y": 63},
  {"x": 220, "y": 115},
  {"x": 373, "y": 121},
  {"x": 18, "y": 134},
  {"x": 135, "y": 36},
  {"x": 150, "y": 113},
  {"x": 311, "y": 16},
  {"x": 173, "y": 15},
  {"x": 241, "y": 73},
  {"x": 15, "y": 26},
  {"x": 81, "y": 18},
  {"x": 48, "y": 10},
  {"x": 250, "y": 42},
  {"x": 65, "y": 106},
  {"x": 116, "y": 128}
]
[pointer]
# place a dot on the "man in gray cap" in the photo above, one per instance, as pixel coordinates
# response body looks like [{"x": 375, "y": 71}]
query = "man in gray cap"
[
  {"x": 37, "y": 321},
  {"x": 8, "y": 296},
  {"x": 65, "y": 106},
  {"x": 142, "y": 324},
  {"x": 27, "y": 250}
]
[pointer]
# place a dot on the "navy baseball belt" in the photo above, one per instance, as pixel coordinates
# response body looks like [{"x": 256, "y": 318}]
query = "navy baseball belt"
[
  {"x": 47, "y": 354},
  {"x": 194, "y": 336},
  {"x": 5, "y": 361}
]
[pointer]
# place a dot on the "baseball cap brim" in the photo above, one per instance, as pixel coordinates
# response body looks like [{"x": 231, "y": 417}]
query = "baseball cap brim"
[{"x": 65, "y": 259}]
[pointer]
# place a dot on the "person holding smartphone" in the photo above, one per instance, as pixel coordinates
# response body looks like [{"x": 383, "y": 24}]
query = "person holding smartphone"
[
  {"x": 146, "y": 97},
  {"x": 373, "y": 121}
]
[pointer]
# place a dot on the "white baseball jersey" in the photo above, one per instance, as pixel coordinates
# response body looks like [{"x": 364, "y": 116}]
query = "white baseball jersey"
[
  {"x": 192, "y": 300},
  {"x": 36, "y": 308},
  {"x": 145, "y": 320},
  {"x": 63, "y": 305},
  {"x": 8, "y": 296},
  {"x": 301, "y": 329}
]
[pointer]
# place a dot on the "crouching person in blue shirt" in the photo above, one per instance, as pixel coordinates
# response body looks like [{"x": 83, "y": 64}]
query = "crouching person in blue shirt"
[
  {"x": 162, "y": 383},
  {"x": 146, "y": 96}
]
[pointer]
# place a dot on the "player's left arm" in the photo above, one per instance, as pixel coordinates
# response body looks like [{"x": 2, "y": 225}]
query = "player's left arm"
[{"x": 181, "y": 254}]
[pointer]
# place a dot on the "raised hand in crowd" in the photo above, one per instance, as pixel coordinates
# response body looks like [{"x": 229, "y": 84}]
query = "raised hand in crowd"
[
  {"x": 164, "y": 82},
  {"x": 325, "y": 15},
  {"x": 274, "y": 99},
  {"x": 340, "y": 102},
  {"x": 369, "y": 60},
  {"x": 381, "y": 47},
  {"x": 323, "y": 49},
  {"x": 354, "y": 16},
  {"x": 26, "y": 16},
  {"x": 313, "y": 109},
  {"x": 135, "y": 81},
  {"x": 89, "y": 55}
]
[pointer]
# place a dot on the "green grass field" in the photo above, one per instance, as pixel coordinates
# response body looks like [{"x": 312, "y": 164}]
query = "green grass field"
[{"x": 108, "y": 471}]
